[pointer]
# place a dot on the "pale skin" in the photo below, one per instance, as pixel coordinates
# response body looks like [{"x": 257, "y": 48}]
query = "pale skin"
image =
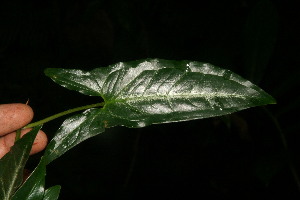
[{"x": 13, "y": 117}]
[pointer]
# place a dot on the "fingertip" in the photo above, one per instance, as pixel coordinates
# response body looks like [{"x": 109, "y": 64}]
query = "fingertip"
[
  {"x": 27, "y": 111},
  {"x": 14, "y": 116},
  {"x": 23, "y": 109}
]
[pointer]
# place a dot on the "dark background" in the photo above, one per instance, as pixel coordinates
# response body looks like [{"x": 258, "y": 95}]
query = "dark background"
[{"x": 240, "y": 156}]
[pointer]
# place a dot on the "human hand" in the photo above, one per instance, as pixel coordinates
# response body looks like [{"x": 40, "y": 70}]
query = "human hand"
[{"x": 13, "y": 117}]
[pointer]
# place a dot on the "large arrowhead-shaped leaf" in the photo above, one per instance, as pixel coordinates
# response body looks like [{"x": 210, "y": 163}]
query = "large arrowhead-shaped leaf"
[
  {"x": 150, "y": 91},
  {"x": 141, "y": 93}
]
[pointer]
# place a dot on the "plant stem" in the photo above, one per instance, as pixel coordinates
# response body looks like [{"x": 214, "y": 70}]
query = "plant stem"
[
  {"x": 62, "y": 114},
  {"x": 18, "y": 134}
]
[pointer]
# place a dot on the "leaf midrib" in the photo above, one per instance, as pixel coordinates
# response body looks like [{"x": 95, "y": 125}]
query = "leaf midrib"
[{"x": 179, "y": 96}]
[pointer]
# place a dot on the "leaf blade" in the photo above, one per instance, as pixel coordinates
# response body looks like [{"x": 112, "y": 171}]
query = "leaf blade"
[
  {"x": 33, "y": 188},
  {"x": 181, "y": 100},
  {"x": 140, "y": 93},
  {"x": 73, "y": 131},
  {"x": 12, "y": 164},
  {"x": 52, "y": 193}
]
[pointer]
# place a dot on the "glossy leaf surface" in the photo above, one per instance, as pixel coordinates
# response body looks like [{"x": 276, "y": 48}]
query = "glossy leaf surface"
[
  {"x": 12, "y": 164},
  {"x": 144, "y": 92},
  {"x": 33, "y": 188},
  {"x": 73, "y": 131},
  {"x": 52, "y": 193},
  {"x": 140, "y": 93}
]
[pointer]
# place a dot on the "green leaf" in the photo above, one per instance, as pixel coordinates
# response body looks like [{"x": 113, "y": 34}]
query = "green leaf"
[
  {"x": 12, "y": 164},
  {"x": 33, "y": 188},
  {"x": 52, "y": 193},
  {"x": 140, "y": 93},
  {"x": 73, "y": 131},
  {"x": 144, "y": 92}
]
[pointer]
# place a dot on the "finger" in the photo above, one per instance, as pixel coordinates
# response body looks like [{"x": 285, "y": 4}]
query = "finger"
[
  {"x": 7, "y": 141},
  {"x": 14, "y": 116}
]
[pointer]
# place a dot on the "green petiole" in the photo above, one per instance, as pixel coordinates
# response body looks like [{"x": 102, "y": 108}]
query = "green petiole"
[
  {"x": 18, "y": 134},
  {"x": 62, "y": 114}
]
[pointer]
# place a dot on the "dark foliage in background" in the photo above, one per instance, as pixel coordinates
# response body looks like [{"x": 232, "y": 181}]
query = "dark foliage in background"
[{"x": 238, "y": 156}]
